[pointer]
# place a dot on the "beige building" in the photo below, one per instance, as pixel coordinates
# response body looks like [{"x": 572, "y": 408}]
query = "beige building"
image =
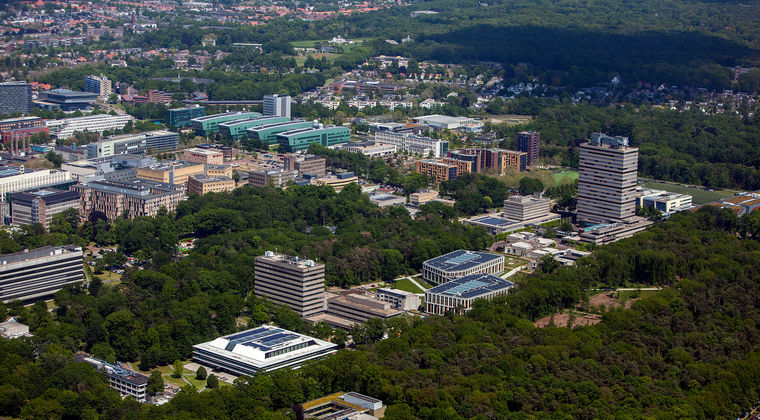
[
  {"x": 176, "y": 173},
  {"x": 202, "y": 184},
  {"x": 219, "y": 170},
  {"x": 204, "y": 156},
  {"x": 438, "y": 171},
  {"x": 286, "y": 280},
  {"x": 337, "y": 182},
  {"x": 312, "y": 165},
  {"x": 130, "y": 198},
  {"x": 524, "y": 208},
  {"x": 276, "y": 178}
]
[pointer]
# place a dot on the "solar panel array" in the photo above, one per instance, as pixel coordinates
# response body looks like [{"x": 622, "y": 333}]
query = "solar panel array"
[
  {"x": 472, "y": 286},
  {"x": 461, "y": 260},
  {"x": 495, "y": 221},
  {"x": 262, "y": 338}
]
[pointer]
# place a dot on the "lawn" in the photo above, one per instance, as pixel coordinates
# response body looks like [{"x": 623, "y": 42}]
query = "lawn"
[
  {"x": 698, "y": 196},
  {"x": 407, "y": 286},
  {"x": 513, "y": 262},
  {"x": 565, "y": 177}
]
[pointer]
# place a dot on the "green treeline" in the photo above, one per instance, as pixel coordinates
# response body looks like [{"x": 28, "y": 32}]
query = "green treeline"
[{"x": 688, "y": 351}]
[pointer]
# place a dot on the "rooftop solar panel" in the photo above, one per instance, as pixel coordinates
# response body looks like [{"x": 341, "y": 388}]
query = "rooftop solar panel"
[{"x": 472, "y": 285}]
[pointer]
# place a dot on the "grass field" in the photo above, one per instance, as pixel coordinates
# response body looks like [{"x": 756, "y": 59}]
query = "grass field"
[
  {"x": 513, "y": 262},
  {"x": 565, "y": 177},
  {"x": 698, "y": 196},
  {"x": 407, "y": 286}
]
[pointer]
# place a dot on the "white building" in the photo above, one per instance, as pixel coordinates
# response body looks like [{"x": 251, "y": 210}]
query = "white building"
[
  {"x": 440, "y": 122},
  {"x": 458, "y": 295},
  {"x": 371, "y": 150},
  {"x": 411, "y": 143},
  {"x": 65, "y": 128},
  {"x": 21, "y": 181},
  {"x": 277, "y": 106},
  {"x": 664, "y": 201},
  {"x": 399, "y": 299},
  {"x": 523, "y": 208},
  {"x": 265, "y": 348},
  {"x": 461, "y": 263},
  {"x": 11, "y": 329}
]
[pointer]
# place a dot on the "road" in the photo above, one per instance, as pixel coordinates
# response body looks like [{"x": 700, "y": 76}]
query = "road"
[{"x": 108, "y": 107}]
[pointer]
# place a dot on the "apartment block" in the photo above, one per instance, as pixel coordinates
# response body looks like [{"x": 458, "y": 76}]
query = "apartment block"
[
  {"x": 39, "y": 206},
  {"x": 129, "y": 198},
  {"x": 291, "y": 281},
  {"x": 530, "y": 143},
  {"x": 15, "y": 97},
  {"x": 438, "y": 171}
]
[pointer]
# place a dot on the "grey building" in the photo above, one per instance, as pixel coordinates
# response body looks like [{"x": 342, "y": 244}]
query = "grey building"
[
  {"x": 524, "y": 208},
  {"x": 275, "y": 177},
  {"x": 277, "y": 106},
  {"x": 285, "y": 280},
  {"x": 461, "y": 263},
  {"x": 39, "y": 206},
  {"x": 39, "y": 273},
  {"x": 607, "y": 179},
  {"x": 15, "y": 97}
]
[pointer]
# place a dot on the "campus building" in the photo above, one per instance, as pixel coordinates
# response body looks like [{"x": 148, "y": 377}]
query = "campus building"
[
  {"x": 209, "y": 124},
  {"x": 461, "y": 263},
  {"x": 308, "y": 164},
  {"x": 236, "y": 129},
  {"x": 39, "y": 273},
  {"x": 417, "y": 145},
  {"x": 291, "y": 281},
  {"x": 202, "y": 184},
  {"x": 176, "y": 173},
  {"x": 261, "y": 349},
  {"x": 267, "y": 133},
  {"x": 300, "y": 139},
  {"x": 17, "y": 179},
  {"x": 39, "y": 206},
  {"x": 127, "y": 382},
  {"x": 445, "y": 122},
  {"x": 272, "y": 177},
  {"x": 524, "y": 208},
  {"x": 530, "y": 143},
  {"x": 182, "y": 117},
  {"x": 13, "y": 129},
  {"x": 666, "y": 202},
  {"x": 357, "y": 308},
  {"x": 129, "y": 198},
  {"x": 98, "y": 84},
  {"x": 399, "y": 299},
  {"x": 204, "y": 156},
  {"x": 370, "y": 149},
  {"x": 607, "y": 179},
  {"x": 277, "y": 106},
  {"x": 341, "y": 405},
  {"x": 15, "y": 97},
  {"x": 437, "y": 171},
  {"x": 65, "y": 128},
  {"x": 459, "y": 294},
  {"x": 147, "y": 142},
  {"x": 66, "y": 100},
  {"x": 337, "y": 182}
]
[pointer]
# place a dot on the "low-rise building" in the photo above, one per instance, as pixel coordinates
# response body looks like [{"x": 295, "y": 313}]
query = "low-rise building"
[
  {"x": 182, "y": 117},
  {"x": 39, "y": 206},
  {"x": 66, "y": 100},
  {"x": 17, "y": 179},
  {"x": 12, "y": 329},
  {"x": 414, "y": 144},
  {"x": 141, "y": 143},
  {"x": 267, "y": 133},
  {"x": 261, "y": 349},
  {"x": 341, "y": 405},
  {"x": 419, "y": 198},
  {"x": 742, "y": 203},
  {"x": 308, "y": 164},
  {"x": 130, "y": 198},
  {"x": 209, "y": 124},
  {"x": 664, "y": 201},
  {"x": 202, "y": 184},
  {"x": 437, "y": 171},
  {"x": 274, "y": 177},
  {"x": 127, "y": 382},
  {"x": 385, "y": 199},
  {"x": 65, "y": 128},
  {"x": 605, "y": 233},
  {"x": 300, "y": 139},
  {"x": 525, "y": 208},
  {"x": 204, "y": 156},
  {"x": 399, "y": 299},
  {"x": 461, "y": 263},
  {"x": 236, "y": 129},
  {"x": 459, "y": 294},
  {"x": 176, "y": 173},
  {"x": 441, "y": 122},
  {"x": 337, "y": 181},
  {"x": 39, "y": 273},
  {"x": 357, "y": 307},
  {"x": 370, "y": 149}
]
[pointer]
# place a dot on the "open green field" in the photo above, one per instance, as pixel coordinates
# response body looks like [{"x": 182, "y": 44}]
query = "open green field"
[
  {"x": 407, "y": 286},
  {"x": 698, "y": 196},
  {"x": 565, "y": 177}
]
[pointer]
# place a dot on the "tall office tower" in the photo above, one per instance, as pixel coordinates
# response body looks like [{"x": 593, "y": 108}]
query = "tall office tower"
[
  {"x": 98, "y": 84},
  {"x": 291, "y": 281},
  {"x": 15, "y": 97},
  {"x": 529, "y": 142},
  {"x": 276, "y": 106},
  {"x": 607, "y": 179}
]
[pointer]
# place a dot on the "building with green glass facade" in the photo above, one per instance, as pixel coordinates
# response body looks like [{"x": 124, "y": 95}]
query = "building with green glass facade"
[
  {"x": 267, "y": 133},
  {"x": 180, "y": 117},
  {"x": 300, "y": 139},
  {"x": 236, "y": 129},
  {"x": 208, "y": 125}
]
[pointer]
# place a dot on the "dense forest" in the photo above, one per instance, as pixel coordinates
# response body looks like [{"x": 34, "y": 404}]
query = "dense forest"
[{"x": 687, "y": 351}]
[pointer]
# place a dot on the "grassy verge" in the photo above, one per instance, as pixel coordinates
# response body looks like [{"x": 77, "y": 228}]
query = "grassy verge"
[{"x": 407, "y": 286}]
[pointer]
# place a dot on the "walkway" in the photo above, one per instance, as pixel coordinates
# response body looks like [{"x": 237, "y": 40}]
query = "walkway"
[
  {"x": 418, "y": 285},
  {"x": 512, "y": 272}
]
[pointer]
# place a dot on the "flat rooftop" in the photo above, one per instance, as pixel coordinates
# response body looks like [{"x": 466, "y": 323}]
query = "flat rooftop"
[
  {"x": 461, "y": 260},
  {"x": 472, "y": 286},
  {"x": 287, "y": 259},
  {"x": 226, "y": 114},
  {"x": 45, "y": 251}
]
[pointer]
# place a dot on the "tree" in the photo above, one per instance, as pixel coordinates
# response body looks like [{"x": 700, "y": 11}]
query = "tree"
[
  {"x": 155, "y": 383},
  {"x": 54, "y": 158},
  {"x": 179, "y": 368},
  {"x": 200, "y": 374},
  {"x": 530, "y": 185},
  {"x": 212, "y": 382}
]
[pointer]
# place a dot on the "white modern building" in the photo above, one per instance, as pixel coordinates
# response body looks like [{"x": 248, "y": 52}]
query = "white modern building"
[
  {"x": 277, "y": 106},
  {"x": 458, "y": 295},
  {"x": 65, "y": 128},
  {"x": 15, "y": 180},
  {"x": 265, "y": 348},
  {"x": 461, "y": 263},
  {"x": 370, "y": 150},
  {"x": 149, "y": 141},
  {"x": 664, "y": 201},
  {"x": 441, "y": 122},
  {"x": 523, "y": 208},
  {"x": 411, "y": 143}
]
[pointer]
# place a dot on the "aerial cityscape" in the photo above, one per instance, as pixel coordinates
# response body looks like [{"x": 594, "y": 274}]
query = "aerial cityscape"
[{"x": 398, "y": 209}]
